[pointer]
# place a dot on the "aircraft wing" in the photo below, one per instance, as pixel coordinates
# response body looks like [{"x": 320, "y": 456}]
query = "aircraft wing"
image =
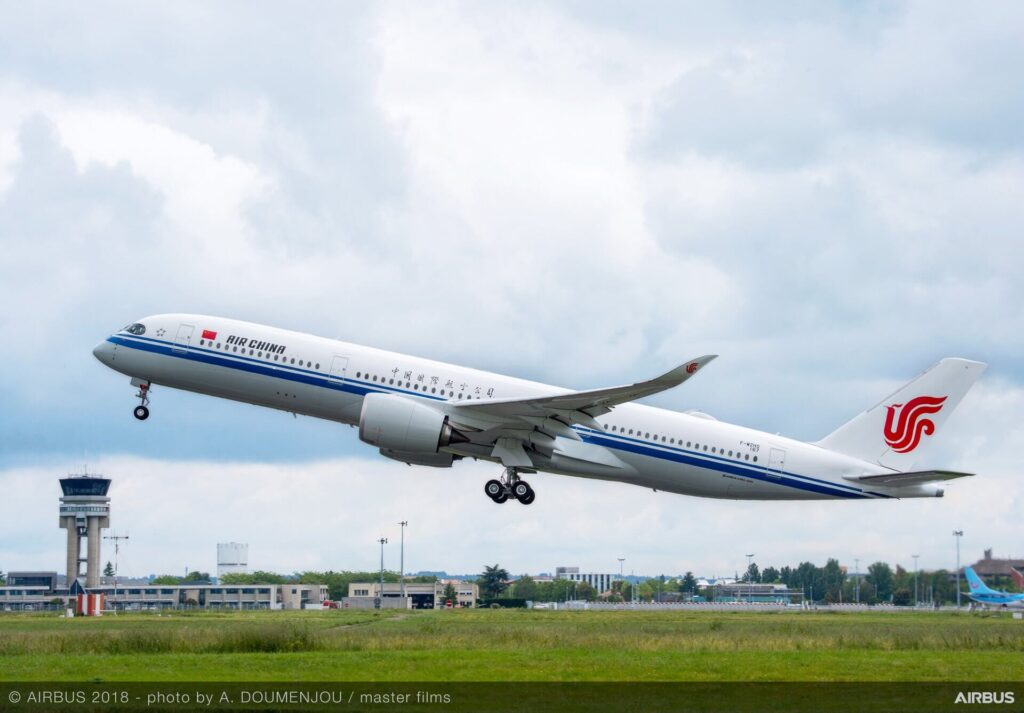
[
  {"x": 918, "y": 477},
  {"x": 535, "y": 421}
]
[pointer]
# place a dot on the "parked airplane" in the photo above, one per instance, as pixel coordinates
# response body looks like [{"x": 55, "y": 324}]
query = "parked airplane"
[
  {"x": 983, "y": 594},
  {"x": 424, "y": 412}
]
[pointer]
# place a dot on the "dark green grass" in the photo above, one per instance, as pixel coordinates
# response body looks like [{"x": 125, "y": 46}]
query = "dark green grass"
[{"x": 489, "y": 645}]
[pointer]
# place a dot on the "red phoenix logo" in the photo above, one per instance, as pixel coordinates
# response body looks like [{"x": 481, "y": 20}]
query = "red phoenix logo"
[
  {"x": 905, "y": 434},
  {"x": 691, "y": 367}
]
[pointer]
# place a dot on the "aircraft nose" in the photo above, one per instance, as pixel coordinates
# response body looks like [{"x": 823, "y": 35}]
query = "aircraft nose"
[{"x": 103, "y": 351}]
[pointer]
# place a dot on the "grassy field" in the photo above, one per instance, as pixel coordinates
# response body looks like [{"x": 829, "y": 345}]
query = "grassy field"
[{"x": 513, "y": 645}]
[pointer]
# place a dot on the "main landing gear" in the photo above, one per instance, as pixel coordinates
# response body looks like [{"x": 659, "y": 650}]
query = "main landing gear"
[
  {"x": 142, "y": 410},
  {"x": 510, "y": 486}
]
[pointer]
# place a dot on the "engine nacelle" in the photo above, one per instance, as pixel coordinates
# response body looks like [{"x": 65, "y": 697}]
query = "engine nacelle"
[
  {"x": 434, "y": 460},
  {"x": 397, "y": 423}
]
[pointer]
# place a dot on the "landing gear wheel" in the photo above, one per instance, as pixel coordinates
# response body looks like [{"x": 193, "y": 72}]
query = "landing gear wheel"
[
  {"x": 500, "y": 499},
  {"x": 142, "y": 410},
  {"x": 529, "y": 498},
  {"x": 493, "y": 489},
  {"x": 521, "y": 489}
]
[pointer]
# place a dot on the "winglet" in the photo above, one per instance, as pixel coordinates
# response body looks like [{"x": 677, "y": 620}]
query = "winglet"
[{"x": 684, "y": 371}]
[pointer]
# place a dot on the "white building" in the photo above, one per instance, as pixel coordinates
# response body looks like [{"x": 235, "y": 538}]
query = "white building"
[
  {"x": 600, "y": 582},
  {"x": 232, "y": 558}
]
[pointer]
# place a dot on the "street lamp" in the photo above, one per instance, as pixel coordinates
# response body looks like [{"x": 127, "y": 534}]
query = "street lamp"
[
  {"x": 750, "y": 590},
  {"x": 621, "y": 560},
  {"x": 856, "y": 578},
  {"x": 958, "y": 534},
  {"x": 916, "y": 602},
  {"x": 401, "y": 573},
  {"x": 383, "y": 541}
]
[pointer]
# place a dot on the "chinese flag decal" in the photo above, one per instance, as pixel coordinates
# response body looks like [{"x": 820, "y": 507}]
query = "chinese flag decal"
[{"x": 207, "y": 334}]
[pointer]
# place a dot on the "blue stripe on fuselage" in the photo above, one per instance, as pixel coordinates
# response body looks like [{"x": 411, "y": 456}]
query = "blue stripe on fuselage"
[{"x": 353, "y": 386}]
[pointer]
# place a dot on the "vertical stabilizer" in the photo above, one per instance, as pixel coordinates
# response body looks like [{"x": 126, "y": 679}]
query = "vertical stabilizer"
[
  {"x": 976, "y": 584},
  {"x": 895, "y": 431}
]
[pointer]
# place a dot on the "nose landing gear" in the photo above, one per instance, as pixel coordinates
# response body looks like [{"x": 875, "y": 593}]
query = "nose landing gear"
[
  {"x": 510, "y": 486},
  {"x": 142, "y": 410}
]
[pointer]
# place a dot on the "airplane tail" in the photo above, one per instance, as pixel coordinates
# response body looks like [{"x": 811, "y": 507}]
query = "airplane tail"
[
  {"x": 895, "y": 431},
  {"x": 976, "y": 584}
]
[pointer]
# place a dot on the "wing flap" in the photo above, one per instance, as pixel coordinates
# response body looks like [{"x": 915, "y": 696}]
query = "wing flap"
[{"x": 896, "y": 480}]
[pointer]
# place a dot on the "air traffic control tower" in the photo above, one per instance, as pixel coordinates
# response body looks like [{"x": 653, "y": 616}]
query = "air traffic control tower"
[{"x": 84, "y": 511}]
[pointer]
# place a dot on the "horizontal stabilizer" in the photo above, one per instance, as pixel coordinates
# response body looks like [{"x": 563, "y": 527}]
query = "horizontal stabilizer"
[{"x": 898, "y": 480}]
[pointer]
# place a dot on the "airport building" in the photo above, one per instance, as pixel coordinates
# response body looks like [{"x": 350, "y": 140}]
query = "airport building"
[
  {"x": 753, "y": 592},
  {"x": 36, "y": 591},
  {"x": 600, "y": 582},
  {"x": 85, "y": 513},
  {"x": 989, "y": 566},
  {"x": 418, "y": 595}
]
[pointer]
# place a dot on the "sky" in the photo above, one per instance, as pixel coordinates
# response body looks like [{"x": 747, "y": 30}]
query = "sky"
[{"x": 829, "y": 195}]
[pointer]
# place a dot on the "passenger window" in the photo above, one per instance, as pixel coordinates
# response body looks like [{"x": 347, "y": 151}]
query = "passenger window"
[
  {"x": 631, "y": 431},
  {"x": 755, "y": 459},
  {"x": 460, "y": 394},
  {"x": 359, "y": 375},
  {"x": 218, "y": 345},
  {"x": 433, "y": 390},
  {"x": 317, "y": 366}
]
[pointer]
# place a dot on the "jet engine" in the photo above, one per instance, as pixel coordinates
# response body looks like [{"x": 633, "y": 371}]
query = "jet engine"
[
  {"x": 397, "y": 423},
  {"x": 434, "y": 460}
]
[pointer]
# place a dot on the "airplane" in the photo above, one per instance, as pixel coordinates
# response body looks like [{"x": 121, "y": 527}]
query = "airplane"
[
  {"x": 982, "y": 594},
  {"x": 428, "y": 413}
]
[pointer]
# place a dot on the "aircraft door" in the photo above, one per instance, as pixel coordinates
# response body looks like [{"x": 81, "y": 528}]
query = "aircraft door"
[
  {"x": 776, "y": 462},
  {"x": 339, "y": 365},
  {"x": 183, "y": 340},
  {"x": 333, "y": 400}
]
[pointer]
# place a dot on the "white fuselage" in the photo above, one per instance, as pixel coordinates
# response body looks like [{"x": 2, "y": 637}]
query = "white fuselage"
[{"x": 651, "y": 447}]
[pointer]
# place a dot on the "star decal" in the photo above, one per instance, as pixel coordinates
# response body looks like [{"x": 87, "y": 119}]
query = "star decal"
[{"x": 161, "y": 332}]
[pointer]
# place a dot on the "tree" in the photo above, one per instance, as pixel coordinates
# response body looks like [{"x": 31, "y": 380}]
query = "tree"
[
  {"x": 257, "y": 577},
  {"x": 492, "y": 582},
  {"x": 166, "y": 579},
  {"x": 450, "y": 595},
  {"x": 752, "y": 574},
  {"x": 108, "y": 571},
  {"x": 688, "y": 584},
  {"x": 586, "y": 592},
  {"x": 197, "y": 576},
  {"x": 880, "y": 578},
  {"x": 901, "y": 597},
  {"x": 770, "y": 575},
  {"x": 525, "y": 588},
  {"x": 832, "y": 577}
]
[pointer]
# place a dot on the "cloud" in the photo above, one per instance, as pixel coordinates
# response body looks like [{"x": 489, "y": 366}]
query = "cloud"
[{"x": 827, "y": 196}]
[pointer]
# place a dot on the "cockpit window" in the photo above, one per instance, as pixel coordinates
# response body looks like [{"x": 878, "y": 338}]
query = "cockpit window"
[{"x": 136, "y": 328}]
